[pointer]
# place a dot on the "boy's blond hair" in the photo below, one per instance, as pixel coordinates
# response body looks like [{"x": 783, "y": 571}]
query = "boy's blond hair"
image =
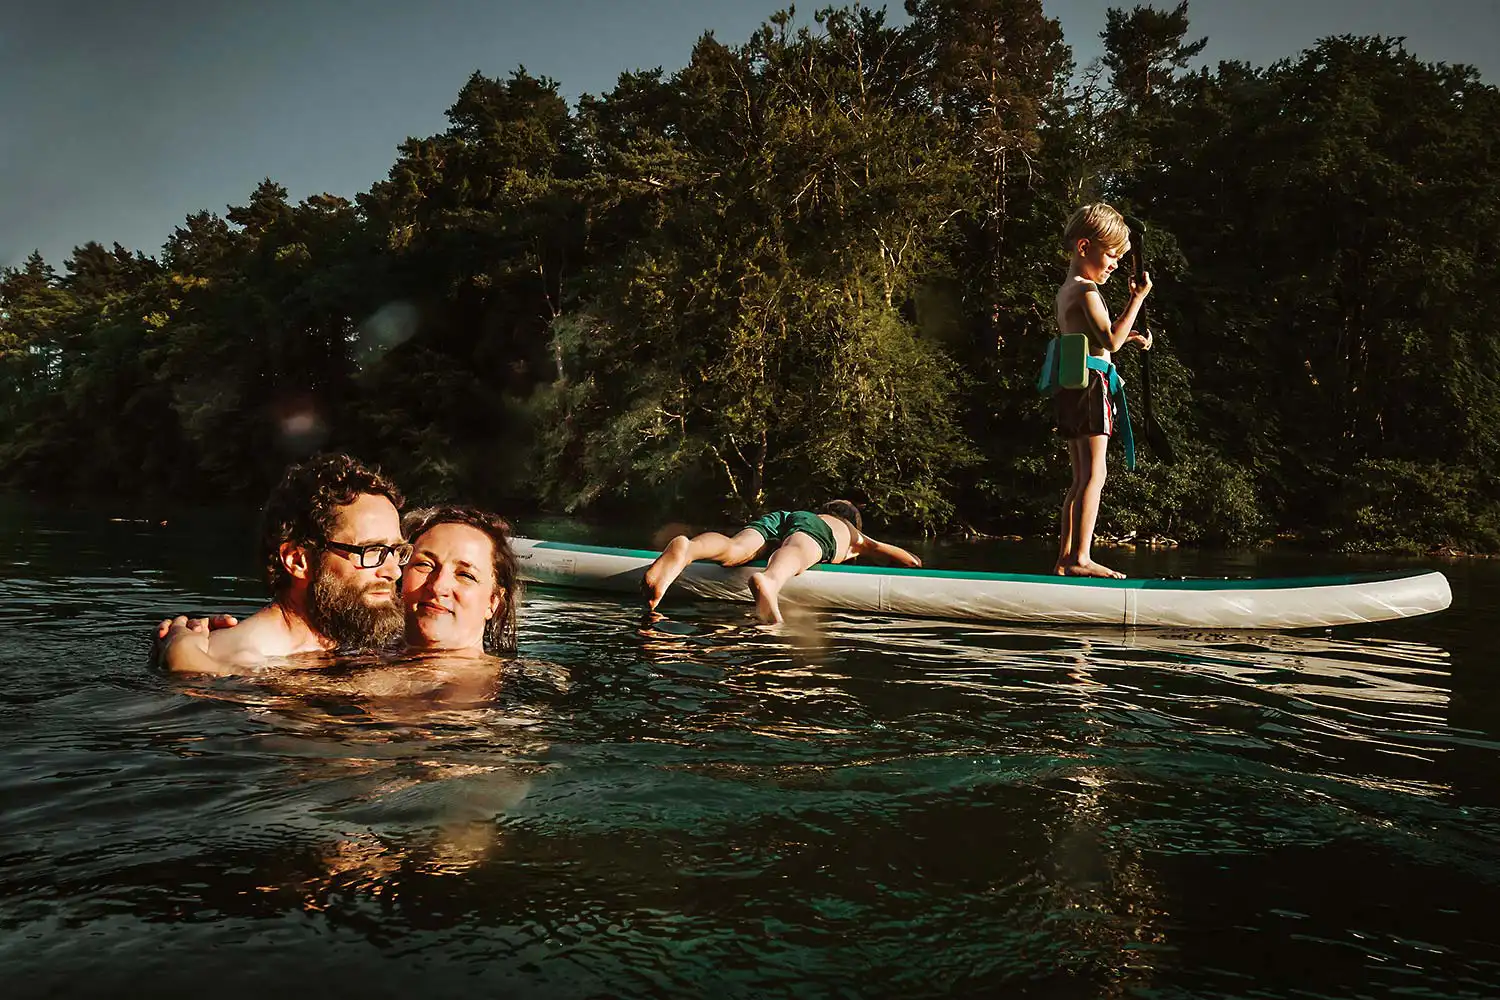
[{"x": 1097, "y": 222}]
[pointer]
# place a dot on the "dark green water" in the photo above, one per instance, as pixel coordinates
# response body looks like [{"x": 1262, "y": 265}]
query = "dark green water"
[{"x": 848, "y": 807}]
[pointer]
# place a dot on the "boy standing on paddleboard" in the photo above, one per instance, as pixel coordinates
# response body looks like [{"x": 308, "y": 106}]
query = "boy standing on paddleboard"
[
  {"x": 795, "y": 540},
  {"x": 1088, "y": 396}
]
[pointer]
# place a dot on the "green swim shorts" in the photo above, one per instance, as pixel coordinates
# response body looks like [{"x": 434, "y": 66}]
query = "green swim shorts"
[{"x": 778, "y": 524}]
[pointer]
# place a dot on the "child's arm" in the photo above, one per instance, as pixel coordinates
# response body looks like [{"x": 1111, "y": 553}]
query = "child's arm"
[
  {"x": 1113, "y": 336},
  {"x": 863, "y": 545}
]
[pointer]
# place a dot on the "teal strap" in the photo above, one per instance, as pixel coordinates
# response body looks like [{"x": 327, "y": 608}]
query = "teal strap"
[
  {"x": 1117, "y": 393},
  {"x": 1046, "y": 384}
]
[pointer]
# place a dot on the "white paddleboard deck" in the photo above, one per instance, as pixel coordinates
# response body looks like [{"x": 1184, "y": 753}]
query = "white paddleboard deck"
[{"x": 1294, "y": 602}]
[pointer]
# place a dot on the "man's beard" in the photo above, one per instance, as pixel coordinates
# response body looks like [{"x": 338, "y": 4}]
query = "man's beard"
[{"x": 337, "y": 610}]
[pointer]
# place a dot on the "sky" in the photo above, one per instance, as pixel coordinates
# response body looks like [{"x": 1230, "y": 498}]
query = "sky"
[{"x": 118, "y": 120}]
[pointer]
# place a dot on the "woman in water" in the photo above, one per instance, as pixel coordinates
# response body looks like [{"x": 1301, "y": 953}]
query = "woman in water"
[{"x": 460, "y": 588}]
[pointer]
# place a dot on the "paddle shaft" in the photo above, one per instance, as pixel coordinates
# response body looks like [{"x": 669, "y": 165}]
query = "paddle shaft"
[{"x": 1155, "y": 436}]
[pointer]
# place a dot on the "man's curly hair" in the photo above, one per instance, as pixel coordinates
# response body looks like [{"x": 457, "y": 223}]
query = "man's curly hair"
[
  {"x": 500, "y": 630},
  {"x": 303, "y": 508}
]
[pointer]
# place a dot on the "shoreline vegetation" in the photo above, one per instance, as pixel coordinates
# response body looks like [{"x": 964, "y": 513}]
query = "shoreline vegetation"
[
  {"x": 819, "y": 263},
  {"x": 147, "y": 512}
]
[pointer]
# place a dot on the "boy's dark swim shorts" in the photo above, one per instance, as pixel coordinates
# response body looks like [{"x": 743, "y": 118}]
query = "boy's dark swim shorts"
[
  {"x": 778, "y": 524},
  {"x": 1085, "y": 412}
]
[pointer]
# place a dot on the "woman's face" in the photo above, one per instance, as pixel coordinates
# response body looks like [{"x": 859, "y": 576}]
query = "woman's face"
[{"x": 448, "y": 588}]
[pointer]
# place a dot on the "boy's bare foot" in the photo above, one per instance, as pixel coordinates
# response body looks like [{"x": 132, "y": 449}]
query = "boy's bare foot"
[
  {"x": 660, "y": 574},
  {"x": 766, "y": 605},
  {"x": 1089, "y": 568}
]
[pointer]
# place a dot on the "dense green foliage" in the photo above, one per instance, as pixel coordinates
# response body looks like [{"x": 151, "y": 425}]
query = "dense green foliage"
[{"x": 823, "y": 262}]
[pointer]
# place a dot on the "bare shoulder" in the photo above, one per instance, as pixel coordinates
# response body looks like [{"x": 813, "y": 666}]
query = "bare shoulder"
[
  {"x": 1074, "y": 290},
  {"x": 1087, "y": 289},
  {"x": 1072, "y": 304},
  {"x": 192, "y": 651},
  {"x": 254, "y": 640}
]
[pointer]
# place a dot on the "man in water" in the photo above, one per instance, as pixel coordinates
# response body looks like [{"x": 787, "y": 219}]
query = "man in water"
[{"x": 332, "y": 549}]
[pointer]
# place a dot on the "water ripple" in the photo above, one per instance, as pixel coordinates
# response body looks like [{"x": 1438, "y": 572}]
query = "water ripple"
[{"x": 845, "y": 806}]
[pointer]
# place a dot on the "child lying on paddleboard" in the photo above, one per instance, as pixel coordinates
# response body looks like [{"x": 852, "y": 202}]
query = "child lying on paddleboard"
[{"x": 794, "y": 540}]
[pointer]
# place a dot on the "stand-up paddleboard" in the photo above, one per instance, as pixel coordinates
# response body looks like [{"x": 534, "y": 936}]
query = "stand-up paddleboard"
[{"x": 1295, "y": 602}]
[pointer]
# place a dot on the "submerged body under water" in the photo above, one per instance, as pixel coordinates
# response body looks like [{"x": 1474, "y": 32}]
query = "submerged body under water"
[{"x": 847, "y": 806}]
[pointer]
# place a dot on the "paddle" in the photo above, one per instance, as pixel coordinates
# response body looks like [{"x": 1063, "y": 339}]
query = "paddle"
[{"x": 1155, "y": 436}]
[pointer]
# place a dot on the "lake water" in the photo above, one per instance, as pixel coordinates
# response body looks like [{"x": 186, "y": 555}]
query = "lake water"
[{"x": 845, "y": 807}]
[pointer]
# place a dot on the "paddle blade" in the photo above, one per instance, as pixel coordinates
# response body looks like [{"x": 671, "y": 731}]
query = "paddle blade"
[
  {"x": 1161, "y": 445},
  {"x": 1156, "y": 437}
]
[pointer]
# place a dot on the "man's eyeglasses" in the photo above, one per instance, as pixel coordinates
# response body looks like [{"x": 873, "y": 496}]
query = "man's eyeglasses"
[{"x": 373, "y": 556}]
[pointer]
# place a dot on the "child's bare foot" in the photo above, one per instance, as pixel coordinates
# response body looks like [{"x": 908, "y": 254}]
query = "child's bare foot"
[
  {"x": 660, "y": 574},
  {"x": 765, "y": 592},
  {"x": 1089, "y": 568}
]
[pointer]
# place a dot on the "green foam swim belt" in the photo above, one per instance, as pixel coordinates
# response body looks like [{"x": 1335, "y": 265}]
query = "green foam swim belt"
[{"x": 1073, "y": 361}]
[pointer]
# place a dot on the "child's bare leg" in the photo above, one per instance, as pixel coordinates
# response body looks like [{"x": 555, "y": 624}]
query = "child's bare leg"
[
  {"x": 1095, "y": 450},
  {"x": 1087, "y": 513},
  {"x": 1067, "y": 544},
  {"x": 795, "y": 555},
  {"x": 682, "y": 550}
]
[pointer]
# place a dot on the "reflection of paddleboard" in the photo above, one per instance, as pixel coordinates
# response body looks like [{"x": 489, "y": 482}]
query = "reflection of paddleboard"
[{"x": 1295, "y": 602}]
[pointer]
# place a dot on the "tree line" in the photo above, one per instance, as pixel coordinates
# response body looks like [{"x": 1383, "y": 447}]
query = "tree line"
[{"x": 821, "y": 263}]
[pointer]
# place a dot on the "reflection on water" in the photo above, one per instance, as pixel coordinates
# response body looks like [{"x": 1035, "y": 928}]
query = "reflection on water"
[
  {"x": 393, "y": 765},
  {"x": 694, "y": 804}
]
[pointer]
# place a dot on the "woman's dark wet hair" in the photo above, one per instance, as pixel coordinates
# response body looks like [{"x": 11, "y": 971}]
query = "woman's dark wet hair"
[
  {"x": 303, "y": 508},
  {"x": 500, "y": 630},
  {"x": 846, "y": 510}
]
